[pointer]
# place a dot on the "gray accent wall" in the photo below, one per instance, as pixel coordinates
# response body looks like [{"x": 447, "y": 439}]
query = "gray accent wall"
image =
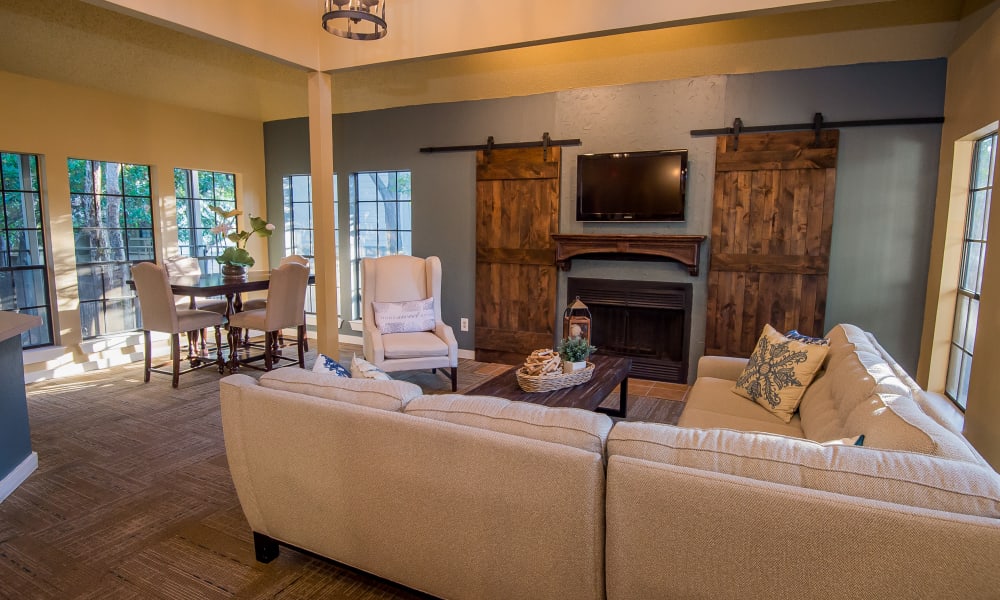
[{"x": 886, "y": 178}]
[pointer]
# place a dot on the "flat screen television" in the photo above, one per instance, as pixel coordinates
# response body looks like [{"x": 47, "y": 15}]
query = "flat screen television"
[{"x": 631, "y": 186}]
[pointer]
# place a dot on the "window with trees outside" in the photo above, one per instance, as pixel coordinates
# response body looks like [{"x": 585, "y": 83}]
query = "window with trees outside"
[
  {"x": 970, "y": 284},
  {"x": 23, "y": 283},
  {"x": 113, "y": 230},
  {"x": 195, "y": 192},
  {"x": 299, "y": 226},
  {"x": 381, "y": 220}
]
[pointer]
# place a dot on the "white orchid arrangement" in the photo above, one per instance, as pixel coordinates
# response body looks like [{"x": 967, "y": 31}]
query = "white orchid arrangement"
[{"x": 238, "y": 255}]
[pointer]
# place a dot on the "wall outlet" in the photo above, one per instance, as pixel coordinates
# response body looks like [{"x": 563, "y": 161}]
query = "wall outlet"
[{"x": 464, "y": 325}]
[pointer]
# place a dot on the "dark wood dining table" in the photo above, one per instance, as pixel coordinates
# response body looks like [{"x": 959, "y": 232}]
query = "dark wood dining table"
[{"x": 214, "y": 284}]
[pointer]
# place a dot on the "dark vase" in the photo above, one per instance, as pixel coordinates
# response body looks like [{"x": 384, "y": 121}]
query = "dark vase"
[{"x": 235, "y": 272}]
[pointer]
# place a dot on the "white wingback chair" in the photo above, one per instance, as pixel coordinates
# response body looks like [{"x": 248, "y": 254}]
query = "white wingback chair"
[{"x": 401, "y": 279}]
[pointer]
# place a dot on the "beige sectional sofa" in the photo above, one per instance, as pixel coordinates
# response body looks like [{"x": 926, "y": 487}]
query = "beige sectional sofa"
[{"x": 476, "y": 497}]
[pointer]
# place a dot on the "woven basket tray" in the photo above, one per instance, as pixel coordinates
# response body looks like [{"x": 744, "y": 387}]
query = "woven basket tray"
[{"x": 553, "y": 381}]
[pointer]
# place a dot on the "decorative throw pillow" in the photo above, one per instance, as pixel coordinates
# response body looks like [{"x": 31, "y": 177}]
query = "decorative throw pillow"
[
  {"x": 325, "y": 364},
  {"x": 806, "y": 339},
  {"x": 778, "y": 372},
  {"x": 362, "y": 368},
  {"x": 404, "y": 317}
]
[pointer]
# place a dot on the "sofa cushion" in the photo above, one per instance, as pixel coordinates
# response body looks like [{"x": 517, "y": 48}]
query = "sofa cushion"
[
  {"x": 568, "y": 426},
  {"x": 712, "y": 403},
  {"x": 386, "y": 395},
  {"x": 779, "y": 371},
  {"x": 860, "y": 393},
  {"x": 901, "y": 477}
]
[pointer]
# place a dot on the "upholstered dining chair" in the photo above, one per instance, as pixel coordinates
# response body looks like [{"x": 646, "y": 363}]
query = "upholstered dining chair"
[
  {"x": 402, "y": 326},
  {"x": 178, "y": 266},
  {"x": 160, "y": 313},
  {"x": 258, "y": 303},
  {"x": 286, "y": 299}
]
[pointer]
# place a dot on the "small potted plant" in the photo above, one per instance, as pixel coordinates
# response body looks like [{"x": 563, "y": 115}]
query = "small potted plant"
[{"x": 574, "y": 352}]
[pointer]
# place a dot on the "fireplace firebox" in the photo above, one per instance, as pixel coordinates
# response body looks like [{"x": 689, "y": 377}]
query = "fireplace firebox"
[{"x": 650, "y": 322}]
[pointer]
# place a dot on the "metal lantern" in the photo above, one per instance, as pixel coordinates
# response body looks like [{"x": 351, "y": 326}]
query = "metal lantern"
[{"x": 576, "y": 321}]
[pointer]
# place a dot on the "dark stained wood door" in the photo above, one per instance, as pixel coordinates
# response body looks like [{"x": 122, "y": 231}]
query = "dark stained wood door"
[
  {"x": 771, "y": 225},
  {"x": 517, "y": 210}
]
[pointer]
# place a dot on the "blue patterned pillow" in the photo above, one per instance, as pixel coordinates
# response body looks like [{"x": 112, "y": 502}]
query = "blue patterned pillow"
[
  {"x": 325, "y": 364},
  {"x": 805, "y": 339}
]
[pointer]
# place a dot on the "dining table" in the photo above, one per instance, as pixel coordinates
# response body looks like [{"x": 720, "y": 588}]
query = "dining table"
[{"x": 214, "y": 284}]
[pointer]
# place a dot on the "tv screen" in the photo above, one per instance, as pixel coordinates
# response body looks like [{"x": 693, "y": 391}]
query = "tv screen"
[{"x": 631, "y": 186}]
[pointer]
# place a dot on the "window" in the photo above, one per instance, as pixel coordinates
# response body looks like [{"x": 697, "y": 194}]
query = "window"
[
  {"x": 23, "y": 282},
  {"x": 195, "y": 192},
  {"x": 381, "y": 220},
  {"x": 113, "y": 230},
  {"x": 963, "y": 338},
  {"x": 299, "y": 226}
]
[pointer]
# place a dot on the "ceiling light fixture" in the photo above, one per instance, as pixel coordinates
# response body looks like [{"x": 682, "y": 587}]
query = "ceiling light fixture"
[{"x": 363, "y": 19}]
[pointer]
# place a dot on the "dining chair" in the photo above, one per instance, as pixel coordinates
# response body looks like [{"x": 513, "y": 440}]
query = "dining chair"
[
  {"x": 286, "y": 293},
  {"x": 189, "y": 266},
  {"x": 422, "y": 343},
  {"x": 259, "y": 303},
  {"x": 160, "y": 313}
]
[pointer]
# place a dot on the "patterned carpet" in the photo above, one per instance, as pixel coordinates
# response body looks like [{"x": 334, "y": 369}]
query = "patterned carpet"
[{"x": 133, "y": 498}]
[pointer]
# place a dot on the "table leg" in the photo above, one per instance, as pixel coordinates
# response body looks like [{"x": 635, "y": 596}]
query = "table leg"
[{"x": 622, "y": 402}]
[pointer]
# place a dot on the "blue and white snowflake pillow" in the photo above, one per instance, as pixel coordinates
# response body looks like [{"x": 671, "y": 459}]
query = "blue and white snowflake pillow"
[
  {"x": 806, "y": 339},
  {"x": 778, "y": 372},
  {"x": 325, "y": 364}
]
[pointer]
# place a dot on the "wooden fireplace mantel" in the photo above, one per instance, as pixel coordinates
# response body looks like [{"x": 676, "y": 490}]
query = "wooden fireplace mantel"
[{"x": 685, "y": 249}]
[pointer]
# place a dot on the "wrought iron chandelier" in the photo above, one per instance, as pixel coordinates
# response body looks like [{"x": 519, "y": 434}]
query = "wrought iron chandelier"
[{"x": 355, "y": 19}]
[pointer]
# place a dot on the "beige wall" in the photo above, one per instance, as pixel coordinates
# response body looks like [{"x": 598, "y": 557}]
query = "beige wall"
[
  {"x": 972, "y": 104},
  {"x": 58, "y": 121}
]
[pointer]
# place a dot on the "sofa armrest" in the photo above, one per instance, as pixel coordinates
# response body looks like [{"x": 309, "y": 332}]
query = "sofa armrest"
[{"x": 721, "y": 367}]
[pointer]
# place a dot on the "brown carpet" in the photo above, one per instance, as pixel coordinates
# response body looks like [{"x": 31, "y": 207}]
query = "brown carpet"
[{"x": 133, "y": 498}]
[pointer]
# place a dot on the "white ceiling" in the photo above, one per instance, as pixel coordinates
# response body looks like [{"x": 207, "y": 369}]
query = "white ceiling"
[{"x": 248, "y": 58}]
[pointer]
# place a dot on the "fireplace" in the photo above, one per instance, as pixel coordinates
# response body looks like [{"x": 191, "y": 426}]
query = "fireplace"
[{"x": 647, "y": 321}]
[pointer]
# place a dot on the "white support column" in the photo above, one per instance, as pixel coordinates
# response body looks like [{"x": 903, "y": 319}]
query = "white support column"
[{"x": 321, "y": 167}]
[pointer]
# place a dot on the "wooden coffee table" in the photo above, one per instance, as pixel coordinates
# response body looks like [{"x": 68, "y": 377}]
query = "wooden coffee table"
[{"x": 609, "y": 371}]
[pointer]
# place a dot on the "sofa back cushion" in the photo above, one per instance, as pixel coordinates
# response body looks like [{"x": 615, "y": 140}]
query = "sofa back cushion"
[
  {"x": 901, "y": 477},
  {"x": 385, "y": 395},
  {"x": 860, "y": 393},
  {"x": 574, "y": 427}
]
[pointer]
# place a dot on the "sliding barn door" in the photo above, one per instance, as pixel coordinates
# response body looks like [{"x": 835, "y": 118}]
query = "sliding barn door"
[
  {"x": 517, "y": 210},
  {"x": 771, "y": 226}
]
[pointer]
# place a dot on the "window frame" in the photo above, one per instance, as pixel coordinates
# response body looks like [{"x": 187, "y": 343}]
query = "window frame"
[
  {"x": 383, "y": 196},
  {"x": 199, "y": 232},
  {"x": 131, "y": 318},
  {"x": 971, "y": 269},
  {"x": 41, "y": 335}
]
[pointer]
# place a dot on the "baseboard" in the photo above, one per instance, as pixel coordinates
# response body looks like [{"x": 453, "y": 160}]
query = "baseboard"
[{"x": 16, "y": 477}]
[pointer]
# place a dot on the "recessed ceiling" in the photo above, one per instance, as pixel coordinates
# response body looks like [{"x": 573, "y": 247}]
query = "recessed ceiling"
[{"x": 249, "y": 58}]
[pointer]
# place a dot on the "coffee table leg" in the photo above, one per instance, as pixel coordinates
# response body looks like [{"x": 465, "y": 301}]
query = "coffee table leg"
[{"x": 622, "y": 402}]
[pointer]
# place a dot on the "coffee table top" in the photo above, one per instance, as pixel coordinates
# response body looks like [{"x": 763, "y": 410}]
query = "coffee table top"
[{"x": 609, "y": 371}]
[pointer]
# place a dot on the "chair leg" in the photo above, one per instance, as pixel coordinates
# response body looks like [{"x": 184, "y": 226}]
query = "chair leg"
[
  {"x": 234, "y": 344},
  {"x": 218, "y": 349},
  {"x": 302, "y": 346},
  {"x": 175, "y": 351},
  {"x": 149, "y": 358},
  {"x": 268, "y": 337},
  {"x": 454, "y": 379}
]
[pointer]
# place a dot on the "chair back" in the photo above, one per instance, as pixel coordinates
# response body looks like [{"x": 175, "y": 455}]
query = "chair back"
[
  {"x": 286, "y": 297},
  {"x": 295, "y": 258},
  {"x": 178, "y": 266},
  {"x": 400, "y": 278},
  {"x": 156, "y": 302}
]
